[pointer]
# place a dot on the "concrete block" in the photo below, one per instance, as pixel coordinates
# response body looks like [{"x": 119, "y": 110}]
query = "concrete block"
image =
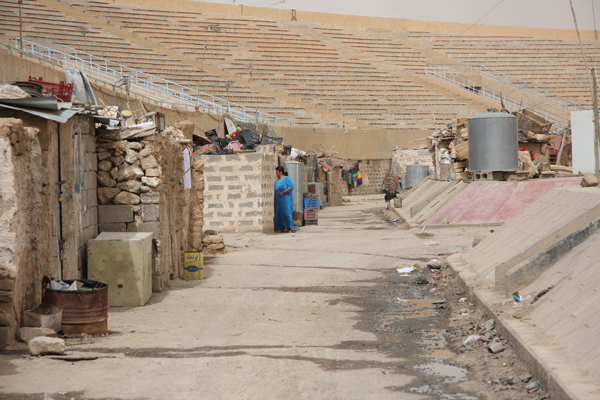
[
  {"x": 153, "y": 227},
  {"x": 91, "y": 162},
  {"x": 115, "y": 213},
  {"x": 113, "y": 227},
  {"x": 150, "y": 198},
  {"x": 28, "y": 333},
  {"x": 125, "y": 262},
  {"x": 90, "y": 180},
  {"x": 91, "y": 199},
  {"x": 42, "y": 345},
  {"x": 150, "y": 212}
]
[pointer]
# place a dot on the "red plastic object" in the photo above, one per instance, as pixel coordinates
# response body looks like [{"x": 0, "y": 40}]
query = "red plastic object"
[{"x": 62, "y": 91}]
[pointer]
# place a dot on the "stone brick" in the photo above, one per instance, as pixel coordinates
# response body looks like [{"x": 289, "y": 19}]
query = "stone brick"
[
  {"x": 247, "y": 168},
  {"x": 216, "y": 188},
  {"x": 210, "y": 169},
  {"x": 151, "y": 212},
  {"x": 253, "y": 177},
  {"x": 209, "y": 214},
  {"x": 215, "y": 205},
  {"x": 246, "y": 223},
  {"x": 114, "y": 213},
  {"x": 28, "y": 333},
  {"x": 248, "y": 204},
  {"x": 150, "y": 198},
  {"x": 113, "y": 227},
  {"x": 216, "y": 223},
  {"x": 7, "y": 315},
  {"x": 5, "y": 336},
  {"x": 214, "y": 179},
  {"x": 234, "y": 187},
  {"x": 253, "y": 214},
  {"x": 252, "y": 195},
  {"x": 233, "y": 196},
  {"x": 153, "y": 227},
  {"x": 44, "y": 345},
  {"x": 7, "y": 284},
  {"x": 224, "y": 214},
  {"x": 232, "y": 178},
  {"x": 226, "y": 169}
]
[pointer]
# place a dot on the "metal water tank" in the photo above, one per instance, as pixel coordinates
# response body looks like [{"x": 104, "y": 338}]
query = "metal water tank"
[
  {"x": 295, "y": 171},
  {"x": 415, "y": 173},
  {"x": 493, "y": 143}
]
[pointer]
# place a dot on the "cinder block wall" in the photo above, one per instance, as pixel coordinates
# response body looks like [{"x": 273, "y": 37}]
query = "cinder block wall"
[
  {"x": 239, "y": 192},
  {"x": 373, "y": 173}
]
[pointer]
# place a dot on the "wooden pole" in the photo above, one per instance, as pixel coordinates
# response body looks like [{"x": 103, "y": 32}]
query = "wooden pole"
[
  {"x": 20, "y": 26},
  {"x": 596, "y": 124}
]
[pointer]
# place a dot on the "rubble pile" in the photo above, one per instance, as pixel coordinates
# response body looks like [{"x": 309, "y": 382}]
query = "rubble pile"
[{"x": 213, "y": 244}]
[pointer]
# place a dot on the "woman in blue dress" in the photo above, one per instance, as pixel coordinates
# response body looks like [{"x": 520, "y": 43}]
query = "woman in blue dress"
[{"x": 284, "y": 205}]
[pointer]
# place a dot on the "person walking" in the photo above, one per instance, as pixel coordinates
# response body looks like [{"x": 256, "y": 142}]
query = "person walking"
[{"x": 284, "y": 204}]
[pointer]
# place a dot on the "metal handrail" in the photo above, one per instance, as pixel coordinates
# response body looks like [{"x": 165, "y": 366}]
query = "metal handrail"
[
  {"x": 141, "y": 83},
  {"x": 454, "y": 75}
]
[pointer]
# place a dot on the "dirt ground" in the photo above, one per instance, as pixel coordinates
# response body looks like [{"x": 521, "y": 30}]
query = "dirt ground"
[{"x": 320, "y": 314}]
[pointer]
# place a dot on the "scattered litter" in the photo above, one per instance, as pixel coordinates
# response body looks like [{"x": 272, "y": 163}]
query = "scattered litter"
[
  {"x": 432, "y": 290},
  {"x": 258, "y": 289},
  {"x": 57, "y": 285},
  {"x": 526, "y": 378},
  {"x": 463, "y": 247},
  {"x": 517, "y": 305},
  {"x": 462, "y": 300},
  {"x": 399, "y": 300},
  {"x": 532, "y": 385},
  {"x": 540, "y": 294},
  {"x": 435, "y": 264},
  {"x": 464, "y": 314},
  {"x": 394, "y": 220},
  {"x": 431, "y": 243},
  {"x": 517, "y": 296},
  {"x": 439, "y": 302},
  {"x": 405, "y": 271},
  {"x": 46, "y": 397},
  {"x": 419, "y": 280},
  {"x": 471, "y": 340},
  {"x": 496, "y": 347}
]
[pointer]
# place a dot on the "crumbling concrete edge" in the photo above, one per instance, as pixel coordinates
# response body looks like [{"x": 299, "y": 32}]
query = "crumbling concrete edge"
[
  {"x": 560, "y": 378},
  {"x": 526, "y": 272}
]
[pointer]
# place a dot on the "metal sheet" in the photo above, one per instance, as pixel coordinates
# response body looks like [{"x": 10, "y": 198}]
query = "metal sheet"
[
  {"x": 493, "y": 143},
  {"x": 415, "y": 173},
  {"x": 46, "y": 103},
  {"x": 295, "y": 171},
  {"x": 60, "y": 116}
]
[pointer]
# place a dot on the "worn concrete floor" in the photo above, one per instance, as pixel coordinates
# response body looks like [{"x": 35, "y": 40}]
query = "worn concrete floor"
[{"x": 319, "y": 314}]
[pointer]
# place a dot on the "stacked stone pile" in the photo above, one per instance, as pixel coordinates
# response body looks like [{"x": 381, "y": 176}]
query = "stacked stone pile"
[{"x": 126, "y": 170}]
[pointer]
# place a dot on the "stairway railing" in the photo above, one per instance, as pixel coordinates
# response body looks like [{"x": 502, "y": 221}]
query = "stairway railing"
[
  {"x": 139, "y": 82},
  {"x": 456, "y": 75}
]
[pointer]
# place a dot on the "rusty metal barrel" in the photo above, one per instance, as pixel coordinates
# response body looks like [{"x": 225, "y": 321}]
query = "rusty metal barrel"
[{"x": 84, "y": 310}]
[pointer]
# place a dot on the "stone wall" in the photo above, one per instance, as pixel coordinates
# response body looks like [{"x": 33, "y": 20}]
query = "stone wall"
[
  {"x": 141, "y": 190},
  {"x": 28, "y": 241},
  {"x": 239, "y": 192}
]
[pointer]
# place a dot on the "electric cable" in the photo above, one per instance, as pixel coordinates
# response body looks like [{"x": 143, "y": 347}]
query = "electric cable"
[{"x": 501, "y": 1}]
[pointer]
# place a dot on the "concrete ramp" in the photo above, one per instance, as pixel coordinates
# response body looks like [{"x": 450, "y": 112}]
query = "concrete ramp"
[
  {"x": 557, "y": 214},
  {"x": 426, "y": 196},
  {"x": 569, "y": 311},
  {"x": 494, "y": 202}
]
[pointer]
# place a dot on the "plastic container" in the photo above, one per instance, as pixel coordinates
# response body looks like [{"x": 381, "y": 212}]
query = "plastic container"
[
  {"x": 311, "y": 202},
  {"x": 193, "y": 265},
  {"x": 471, "y": 340},
  {"x": 311, "y": 213},
  {"x": 235, "y": 145}
]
